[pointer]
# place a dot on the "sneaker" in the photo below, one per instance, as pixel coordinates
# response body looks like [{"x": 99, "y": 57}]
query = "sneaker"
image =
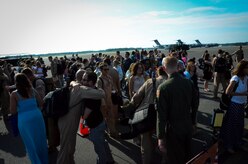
[{"x": 206, "y": 90}]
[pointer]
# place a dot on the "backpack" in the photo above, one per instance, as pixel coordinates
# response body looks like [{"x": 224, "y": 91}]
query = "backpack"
[
  {"x": 220, "y": 65},
  {"x": 207, "y": 67},
  {"x": 57, "y": 103},
  {"x": 201, "y": 63}
]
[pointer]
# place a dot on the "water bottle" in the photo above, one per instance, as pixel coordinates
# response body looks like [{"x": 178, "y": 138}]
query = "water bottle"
[{"x": 84, "y": 129}]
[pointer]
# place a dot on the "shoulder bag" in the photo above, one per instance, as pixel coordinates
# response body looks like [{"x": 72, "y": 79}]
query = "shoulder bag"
[{"x": 225, "y": 99}]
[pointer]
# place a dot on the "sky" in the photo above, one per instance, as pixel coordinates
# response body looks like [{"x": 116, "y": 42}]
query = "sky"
[{"x": 48, "y": 26}]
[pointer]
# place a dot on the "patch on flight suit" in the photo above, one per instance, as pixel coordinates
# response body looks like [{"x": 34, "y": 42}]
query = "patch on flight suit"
[{"x": 158, "y": 92}]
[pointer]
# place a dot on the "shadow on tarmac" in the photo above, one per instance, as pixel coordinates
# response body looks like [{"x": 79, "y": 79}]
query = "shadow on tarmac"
[
  {"x": 11, "y": 144},
  {"x": 206, "y": 96},
  {"x": 131, "y": 150}
]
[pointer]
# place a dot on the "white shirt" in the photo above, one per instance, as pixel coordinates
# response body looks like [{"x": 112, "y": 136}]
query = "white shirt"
[
  {"x": 242, "y": 87},
  {"x": 138, "y": 82}
]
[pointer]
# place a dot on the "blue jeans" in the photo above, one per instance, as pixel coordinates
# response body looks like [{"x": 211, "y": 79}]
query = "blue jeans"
[{"x": 97, "y": 136}]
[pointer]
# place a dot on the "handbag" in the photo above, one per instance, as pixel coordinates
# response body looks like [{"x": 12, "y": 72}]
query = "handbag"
[
  {"x": 142, "y": 120},
  {"x": 228, "y": 75},
  {"x": 14, "y": 124},
  {"x": 225, "y": 99}
]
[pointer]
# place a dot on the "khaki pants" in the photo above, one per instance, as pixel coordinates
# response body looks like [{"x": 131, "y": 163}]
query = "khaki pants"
[
  {"x": 68, "y": 127},
  {"x": 111, "y": 117},
  {"x": 219, "y": 78}
]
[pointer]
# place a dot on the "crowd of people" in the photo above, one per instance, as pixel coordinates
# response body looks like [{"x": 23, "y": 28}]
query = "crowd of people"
[{"x": 94, "y": 81}]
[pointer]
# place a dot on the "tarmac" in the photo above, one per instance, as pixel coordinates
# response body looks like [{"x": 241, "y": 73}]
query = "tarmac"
[{"x": 12, "y": 150}]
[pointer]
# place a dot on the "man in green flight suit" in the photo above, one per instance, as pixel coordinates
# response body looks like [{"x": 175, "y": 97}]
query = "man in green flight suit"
[{"x": 177, "y": 107}]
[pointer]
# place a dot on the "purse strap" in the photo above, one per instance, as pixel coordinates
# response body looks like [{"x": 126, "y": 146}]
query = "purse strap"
[
  {"x": 102, "y": 82},
  {"x": 154, "y": 88}
]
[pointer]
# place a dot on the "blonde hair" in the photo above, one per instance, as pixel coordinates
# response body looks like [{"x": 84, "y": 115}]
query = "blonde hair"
[
  {"x": 189, "y": 65},
  {"x": 170, "y": 62},
  {"x": 239, "y": 69}
]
